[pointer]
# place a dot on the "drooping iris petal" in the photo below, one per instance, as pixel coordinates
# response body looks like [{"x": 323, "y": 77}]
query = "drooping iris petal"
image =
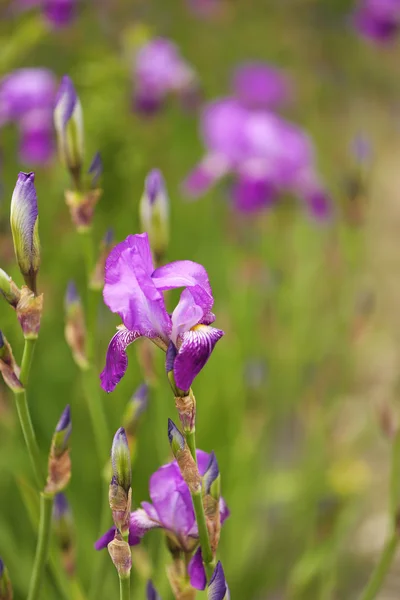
[
  {"x": 130, "y": 290},
  {"x": 217, "y": 588},
  {"x": 196, "y": 571},
  {"x": 250, "y": 194},
  {"x": 105, "y": 539},
  {"x": 206, "y": 174},
  {"x": 139, "y": 524},
  {"x": 186, "y": 273},
  {"x": 194, "y": 351},
  {"x": 116, "y": 358},
  {"x": 259, "y": 85}
]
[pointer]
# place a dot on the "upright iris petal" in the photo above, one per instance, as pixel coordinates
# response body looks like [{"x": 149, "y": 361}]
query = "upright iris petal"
[
  {"x": 24, "y": 226},
  {"x": 217, "y": 588}
]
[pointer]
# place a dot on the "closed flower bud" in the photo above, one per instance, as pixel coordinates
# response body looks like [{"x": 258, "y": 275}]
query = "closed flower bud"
[
  {"x": 218, "y": 588},
  {"x": 59, "y": 469},
  {"x": 154, "y": 213},
  {"x": 212, "y": 478},
  {"x": 8, "y": 367},
  {"x": 136, "y": 406},
  {"x": 120, "y": 493},
  {"x": 151, "y": 592},
  {"x": 8, "y": 289},
  {"x": 75, "y": 328},
  {"x": 24, "y": 228},
  {"x": 97, "y": 279},
  {"x": 6, "y": 592},
  {"x": 120, "y": 553},
  {"x": 68, "y": 122},
  {"x": 183, "y": 457},
  {"x": 63, "y": 527},
  {"x": 95, "y": 171},
  {"x": 212, "y": 494}
]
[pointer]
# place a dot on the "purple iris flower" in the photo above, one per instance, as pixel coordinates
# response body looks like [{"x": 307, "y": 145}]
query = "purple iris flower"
[
  {"x": 378, "y": 20},
  {"x": 171, "y": 509},
  {"x": 58, "y": 13},
  {"x": 259, "y": 85},
  {"x": 264, "y": 154},
  {"x": 159, "y": 70},
  {"x": 26, "y": 98},
  {"x": 134, "y": 290}
]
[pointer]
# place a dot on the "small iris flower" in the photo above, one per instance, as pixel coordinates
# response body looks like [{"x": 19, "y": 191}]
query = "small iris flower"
[
  {"x": 159, "y": 70},
  {"x": 134, "y": 290},
  {"x": 154, "y": 213},
  {"x": 24, "y": 227},
  {"x": 171, "y": 509},
  {"x": 377, "y": 20}
]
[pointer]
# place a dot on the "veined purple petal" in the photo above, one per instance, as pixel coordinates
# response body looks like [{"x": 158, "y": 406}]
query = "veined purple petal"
[
  {"x": 195, "y": 350},
  {"x": 130, "y": 290},
  {"x": 151, "y": 592},
  {"x": 259, "y": 85},
  {"x": 139, "y": 525},
  {"x": 24, "y": 223},
  {"x": 171, "y": 499},
  {"x": 196, "y": 571},
  {"x": 105, "y": 539},
  {"x": 217, "y": 588},
  {"x": 188, "y": 274},
  {"x": 116, "y": 358}
]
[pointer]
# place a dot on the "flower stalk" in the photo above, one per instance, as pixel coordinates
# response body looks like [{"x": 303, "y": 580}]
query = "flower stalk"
[{"x": 42, "y": 549}]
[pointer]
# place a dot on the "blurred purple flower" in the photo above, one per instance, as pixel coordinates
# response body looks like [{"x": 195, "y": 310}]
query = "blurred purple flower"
[
  {"x": 133, "y": 289},
  {"x": 259, "y": 85},
  {"x": 265, "y": 154},
  {"x": 171, "y": 509},
  {"x": 159, "y": 70},
  {"x": 58, "y": 13},
  {"x": 26, "y": 98},
  {"x": 204, "y": 8},
  {"x": 378, "y": 20}
]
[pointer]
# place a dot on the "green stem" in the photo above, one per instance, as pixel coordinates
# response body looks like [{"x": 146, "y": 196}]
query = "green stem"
[
  {"x": 124, "y": 588},
  {"x": 101, "y": 558},
  {"x": 389, "y": 550},
  {"x": 91, "y": 388},
  {"x": 197, "y": 500},
  {"x": 42, "y": 548},
  {"x": 25, "y": 417},
  {"x": 379, "y": 574}
]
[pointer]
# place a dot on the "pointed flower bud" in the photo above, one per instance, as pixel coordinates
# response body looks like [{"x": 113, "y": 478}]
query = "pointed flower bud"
[
  {"x": 8, "y": 367},
  {"x": 183, "y": 457},
  {"x": 136, "y": 406},
  {"x": 75, "y": 328},
  {"x": 212, "y": 478},
  {"x": 121, "y": 460},
  {"x": 68, "y": 122},
  {"x": 120, "y": 493},
  {"x": 59, "y": 469},
  {"x": 6, "y": 592},
  {"x": 154, "y": 213},
  {"x": 151, "y": 592},
  {"x": 120, "y": 553},
  {"x": 8, "y": 289},
  {"x": 95, "y": 171},
  {"x": 218, "y": 588},
  {"x": 63, "y": 527},
  {"x": 24, "y": 227},
  {"x": 106, "y": 245}
]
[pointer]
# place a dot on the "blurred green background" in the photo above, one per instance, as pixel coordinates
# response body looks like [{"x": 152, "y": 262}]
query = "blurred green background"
[{"x": 294, "y": 395}]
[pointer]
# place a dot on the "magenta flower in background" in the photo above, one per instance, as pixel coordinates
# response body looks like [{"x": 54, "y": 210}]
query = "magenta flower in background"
[
  {"x": 264, "y": 154},
  {"x": 259, "y": 85},
  {"x": 171, "y": 509},
  {"x": 160, "y": 70},
  {"x": 26, "y": 98},
  {"x": 134, "y": 290},
  {"x": 58, "y": 13},
  {"x": 204, "y": 8},
  {"x": 378, "y": 20}
]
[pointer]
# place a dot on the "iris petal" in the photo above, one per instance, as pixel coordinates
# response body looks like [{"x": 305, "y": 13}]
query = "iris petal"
[{"x": 116, "y": 358}]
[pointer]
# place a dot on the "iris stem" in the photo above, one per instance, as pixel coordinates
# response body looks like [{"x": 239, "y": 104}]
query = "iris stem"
[
  {"x": 125, "y": 588},
  {"x": 42, "y": 548},
  {"x": 99, "y": 423},
  {"x": 389, "y": 550},
  {"x": 24, "y": 416},
  {"x": 197, "y": 499},
  {"x": 100, "y": 566}
]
